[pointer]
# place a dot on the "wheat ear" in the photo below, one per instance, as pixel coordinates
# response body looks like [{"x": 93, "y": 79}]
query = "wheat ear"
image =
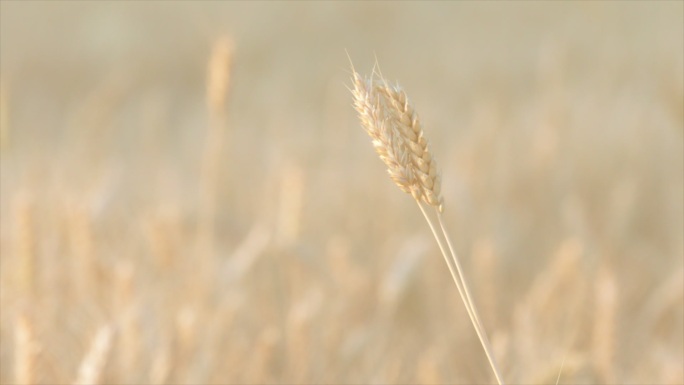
[
  {"x": 398, "y": 138},
  {"x": 218, "y": 88}
]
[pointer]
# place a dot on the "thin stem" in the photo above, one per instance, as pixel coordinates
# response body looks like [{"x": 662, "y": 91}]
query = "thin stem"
[
  {"x": 456, "y": 274},
  {"x": 475, "y": 318},
  {"x": 450, "y": 264},
  {"x": 459, "y": 270}
]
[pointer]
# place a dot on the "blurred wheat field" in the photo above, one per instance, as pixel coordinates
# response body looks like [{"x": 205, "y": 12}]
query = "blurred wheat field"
[{"x": 187, "y": 197}]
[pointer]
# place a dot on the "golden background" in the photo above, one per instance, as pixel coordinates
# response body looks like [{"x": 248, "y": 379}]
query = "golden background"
[{"x": 156, "y": 227}]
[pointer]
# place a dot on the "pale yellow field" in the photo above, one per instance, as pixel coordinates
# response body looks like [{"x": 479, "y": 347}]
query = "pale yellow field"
[{"x": 149, "y": 234}]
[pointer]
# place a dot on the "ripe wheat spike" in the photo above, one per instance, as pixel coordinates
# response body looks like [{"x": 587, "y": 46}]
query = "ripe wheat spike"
[{"x": 397, "y": 135}]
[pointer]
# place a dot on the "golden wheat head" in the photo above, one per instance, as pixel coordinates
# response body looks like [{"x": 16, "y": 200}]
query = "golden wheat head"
[{"x": 397, "y": 135}]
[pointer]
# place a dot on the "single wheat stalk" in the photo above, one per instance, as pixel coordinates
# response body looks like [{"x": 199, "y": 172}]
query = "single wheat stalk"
[{"x": 398, "y": 138}]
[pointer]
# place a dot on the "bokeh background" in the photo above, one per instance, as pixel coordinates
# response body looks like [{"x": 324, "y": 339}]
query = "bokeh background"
[{"x": 187, "y": 195}]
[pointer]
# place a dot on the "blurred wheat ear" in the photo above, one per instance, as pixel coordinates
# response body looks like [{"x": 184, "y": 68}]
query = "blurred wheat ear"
[
  {"x": 398, "y": 138},
  {"x": 218, "y": 88}
]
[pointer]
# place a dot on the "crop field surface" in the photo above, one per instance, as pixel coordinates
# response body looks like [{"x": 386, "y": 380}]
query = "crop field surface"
[{"x": 187, "y": 195}]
